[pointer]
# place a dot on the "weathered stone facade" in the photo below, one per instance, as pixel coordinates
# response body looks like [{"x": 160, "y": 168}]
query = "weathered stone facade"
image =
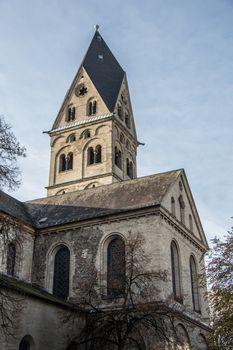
[{"x": 94, "y": 197}]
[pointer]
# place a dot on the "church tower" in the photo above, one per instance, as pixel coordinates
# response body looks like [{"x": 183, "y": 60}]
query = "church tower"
[{"x": 93, "y": 139}]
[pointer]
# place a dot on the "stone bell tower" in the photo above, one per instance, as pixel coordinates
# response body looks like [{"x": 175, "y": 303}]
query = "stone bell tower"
[{"x": 93, "y": 139}]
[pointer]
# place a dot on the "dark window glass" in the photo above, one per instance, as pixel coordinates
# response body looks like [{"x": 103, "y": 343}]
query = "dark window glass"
[
  {"x": 24, "y": 345},
  {"x": 118, "y": 158},
  {"x": 61, "y": 273},
  {"x": 98, "y": 154},
  {"x": 116, "y": 268},
  {"x": 62, "y": 162},
  {"x": 69, "y": 161},
  {"x": 194, "y": 284},
  {"x": 11, "y": 254},
  {"x": 176, "y": 283},
  {"x": 90, "y": 159}
]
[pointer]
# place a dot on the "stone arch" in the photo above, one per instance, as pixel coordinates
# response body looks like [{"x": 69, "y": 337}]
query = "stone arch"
[
  {"x": 56, "y": 139},
  {"x": 71, "y": 138},
  {"x": 100, "y": 129},
  {"x": 62, "y": 191},
  {"x": 93, "y": 143},
  {"x": 86, "y": 134},
  {"x": 50, "y": 260},
  {"x": 183, "y": 341},
  {"x": 202, "y": 342},
  {"x": 103, "y": 255},
  {"x": 27, "y": 343},
  {"x": 91, "y": 185}
]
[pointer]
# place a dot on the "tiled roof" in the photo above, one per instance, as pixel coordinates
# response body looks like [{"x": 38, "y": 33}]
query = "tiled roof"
[
  {"x": 100, "y": 201},
  {"x": 91, "y": 203}
]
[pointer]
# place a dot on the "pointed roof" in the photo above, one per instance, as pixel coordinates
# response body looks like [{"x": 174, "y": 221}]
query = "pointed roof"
[{"x": 104, "y": 70}]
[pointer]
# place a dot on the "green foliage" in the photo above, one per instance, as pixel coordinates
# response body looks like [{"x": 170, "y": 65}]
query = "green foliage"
[
  {"x": 220, "y": 275},
  {"x": 10, "y": 150}
]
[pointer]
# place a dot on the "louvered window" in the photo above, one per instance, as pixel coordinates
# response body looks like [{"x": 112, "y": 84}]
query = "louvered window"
[{"x": 61, "y": 273}]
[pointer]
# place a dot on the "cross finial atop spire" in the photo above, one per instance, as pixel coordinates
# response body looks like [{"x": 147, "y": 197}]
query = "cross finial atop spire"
[{"x": 97, "y": 27}]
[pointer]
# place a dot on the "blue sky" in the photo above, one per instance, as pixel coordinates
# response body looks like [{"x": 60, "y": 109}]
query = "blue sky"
[{"x": 178, "y": 56}]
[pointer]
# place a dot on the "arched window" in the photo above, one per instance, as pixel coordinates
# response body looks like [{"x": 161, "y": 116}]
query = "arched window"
[
  {"x": 90, "y": 156},
  {"x": 194, "y": 284},
  {"x": 27, "y": 343},
  {"x": 71, "y": 138},
  {"x": 173, "y": 206},
  {"x": 175, "y": 267},
  {"x": 92, "y": 107},
  {"x": 190, "y": 222},
  {"x": 69, "y": 161},
  {"x": 94, "y": 156},
  {"x": 24, "y": 345},
  {"x": 11, "y": 255},
  {"x": 129, "y": 168},
  {"x": 70, "y": 114},
  {"x": 118, "y": 161},
  {"x": 182, "y": 209},
  {"x": 119, "y": 111},
  {"x": 127, "y": 120},
  {"x": 98, "y": 154},
  {"x": 61, "y": 273},
  {"x": 116, "y": 268},
  {"x": 62, "y": 162},
  {"x": 86, "y": 134}
]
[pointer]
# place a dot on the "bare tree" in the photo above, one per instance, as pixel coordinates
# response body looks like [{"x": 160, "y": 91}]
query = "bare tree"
[
  {"x": 10, "y": 228},
  {"x": 10, "y": 150},
  {"x": 10, "y": 240},
  {"x": 129, "y": 311}
]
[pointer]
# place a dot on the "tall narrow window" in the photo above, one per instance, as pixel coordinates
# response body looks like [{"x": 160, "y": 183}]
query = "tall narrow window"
[
  {"x": 62, "y": 162},
  {"x": 173, "y": 206},
  {"x": 116, "y": 268},
  {"x": 118, "y": 158},
  {"x": 70, "y": 114},
  {"x": 190, "y": 222},
  {"x": 98, "y": 154},
  {"x": 90, "y": 156},
  {"x": 127, "y": 120},
  {"x": 11, "y": 254},
  {"x": 69, "y": 161},
  {"x": 129, "y": 168},
  {"x": 175, "y": 267},
  {"x": 92, "y": 107},
  {"x": 182, "y": 209},
  {"x": 194, "y": 284},
  {"x": 61, "y": 273},
  {"x": 119, "y": 111}
]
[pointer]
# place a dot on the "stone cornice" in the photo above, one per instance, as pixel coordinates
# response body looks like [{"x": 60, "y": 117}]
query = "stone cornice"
[{"x": 128, "y": 215}]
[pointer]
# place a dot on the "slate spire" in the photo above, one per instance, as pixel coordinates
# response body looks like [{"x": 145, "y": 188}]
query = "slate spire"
[{"x": 104, "y": 70}]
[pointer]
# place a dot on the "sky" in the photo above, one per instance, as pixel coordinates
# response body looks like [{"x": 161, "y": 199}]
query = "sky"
[{"x": 178, "y": 56}]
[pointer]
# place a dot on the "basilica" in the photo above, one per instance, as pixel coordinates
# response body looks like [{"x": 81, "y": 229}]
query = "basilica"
[{"x": 94, "y": 199}]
